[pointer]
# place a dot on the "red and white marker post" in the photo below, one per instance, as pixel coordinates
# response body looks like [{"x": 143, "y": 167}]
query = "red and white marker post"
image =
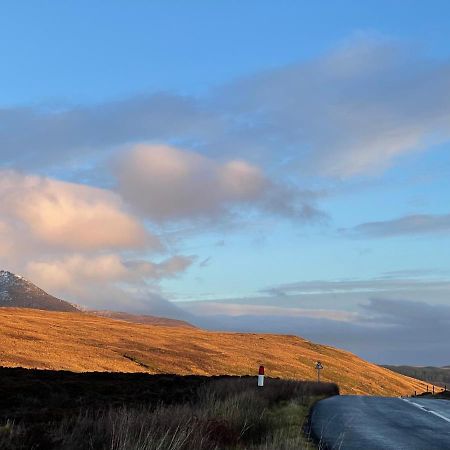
[{"x": 261, "y": 376}]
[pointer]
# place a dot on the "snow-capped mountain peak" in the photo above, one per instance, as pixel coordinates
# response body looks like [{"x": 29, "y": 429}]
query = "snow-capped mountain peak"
[{"x": 17, "y": 292}]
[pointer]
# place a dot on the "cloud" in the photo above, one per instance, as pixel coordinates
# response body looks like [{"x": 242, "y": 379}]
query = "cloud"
[
  {"x": 58, "y": 275},
  {"x": 413, "y": 314},
  {"x": 385, "y": 331},
  {"x": 168, "y": 184},
  {"x": 407, "y": 273},
  {"x": 354, "y": 110},
  {"x": 81, "y": 244},
  {"x": 206, "y": 308},
  {"x": 68, "y": 216},
  {"x": 107, "y": 281},
  {"x": 57, "y": 135},
  {"x": 417, "y": 224},
  {"x": 168, "y": 268},
  {"x": 403, "y": 320},
  {"x": 205, "y": 262},
  {"x": 373, "y": 285}
]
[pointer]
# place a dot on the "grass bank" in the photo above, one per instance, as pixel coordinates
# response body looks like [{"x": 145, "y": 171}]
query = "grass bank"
[{"x": 173, "y": 413}]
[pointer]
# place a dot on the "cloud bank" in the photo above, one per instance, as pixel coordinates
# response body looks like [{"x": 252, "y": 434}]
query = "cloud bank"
[
  {"x": 352, "y": 111},
  {"x": 385, "y": 331},
  {"x": 388, "y": 320}
]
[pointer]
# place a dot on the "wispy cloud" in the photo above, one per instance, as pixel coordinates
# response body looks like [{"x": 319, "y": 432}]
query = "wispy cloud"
[
  {"x": 55, "y": 136},
  {"x": 351, "y": 111},
  {"x": 417, "y": 224},
  {"x": 231, "y": 309},
  {"x": 372, "y": 285}
]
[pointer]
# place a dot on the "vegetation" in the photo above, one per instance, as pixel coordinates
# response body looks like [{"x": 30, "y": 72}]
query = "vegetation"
[
  {"x": 439, "y": 376},
  {"x": 83, "y": 343},
  {"x": 52, "y": 410}
]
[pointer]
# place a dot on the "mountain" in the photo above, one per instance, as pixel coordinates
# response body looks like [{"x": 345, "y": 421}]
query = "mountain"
[
  {"x": 439, "y": 376},
  {"x": 83, "y": 342},
  {"x": 15, "y": 291},
  {"x": 142, "y": 318}
]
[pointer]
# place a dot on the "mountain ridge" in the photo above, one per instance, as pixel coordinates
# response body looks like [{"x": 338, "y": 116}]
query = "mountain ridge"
[
  {"x": 439, "y": 376},
  {"x": 16, "y": 291}
]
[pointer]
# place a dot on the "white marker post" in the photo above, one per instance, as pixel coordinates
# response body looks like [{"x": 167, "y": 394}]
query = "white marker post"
[
  {"x": 319, "y": 367},
  {"x": 261, "y": 376}
]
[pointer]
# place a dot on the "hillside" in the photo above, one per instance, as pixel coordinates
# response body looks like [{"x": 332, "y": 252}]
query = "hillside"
[
  {"x": 16, "y": 291},
  {"x": 440, "y": 376},
  {"x": 80, "y": 342}
]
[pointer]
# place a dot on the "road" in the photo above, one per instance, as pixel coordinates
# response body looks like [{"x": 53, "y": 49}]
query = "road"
[{"x": 350, "y": 422}]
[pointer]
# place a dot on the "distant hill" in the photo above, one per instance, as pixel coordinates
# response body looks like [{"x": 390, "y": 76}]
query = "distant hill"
[
  {"x": 142, "y": 318},
  {"x": 16, "y": 291},
  {"x": 81, "y": 342},
  {"x": 440, "y": 376}
]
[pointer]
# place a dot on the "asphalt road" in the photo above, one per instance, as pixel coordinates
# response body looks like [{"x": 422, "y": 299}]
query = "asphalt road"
[{"x": 350, "y": 422}]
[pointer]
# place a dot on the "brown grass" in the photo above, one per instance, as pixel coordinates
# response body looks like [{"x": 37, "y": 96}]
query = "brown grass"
[
  {"x": 80, "y": 342},
  {"x": 227, "y": 413}
]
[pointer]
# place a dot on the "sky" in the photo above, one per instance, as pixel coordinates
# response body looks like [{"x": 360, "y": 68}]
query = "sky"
[{"x": 254, "y": 166}]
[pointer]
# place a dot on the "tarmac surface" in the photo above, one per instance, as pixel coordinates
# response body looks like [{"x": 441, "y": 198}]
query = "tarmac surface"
[{"x": 350, "y": 422}]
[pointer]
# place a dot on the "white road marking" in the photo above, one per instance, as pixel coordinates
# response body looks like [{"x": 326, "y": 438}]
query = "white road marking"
[{"x": 423, "y": 408}]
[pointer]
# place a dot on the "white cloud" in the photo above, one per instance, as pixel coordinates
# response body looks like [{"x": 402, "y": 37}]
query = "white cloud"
[
  {"x": 81, "y": 244},
  {"x": 68, "y": 216},
  {"x": 165, "y": 183},
  {"x": 83, "y": 275},
  {"x": 109, "y": 281}
]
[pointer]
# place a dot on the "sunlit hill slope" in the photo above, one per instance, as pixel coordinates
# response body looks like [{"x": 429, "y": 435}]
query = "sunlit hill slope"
[{"x": 82, "y": 342}]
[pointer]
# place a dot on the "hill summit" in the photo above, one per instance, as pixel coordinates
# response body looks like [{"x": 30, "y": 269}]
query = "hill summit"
[{"x": 17, "y": 292}]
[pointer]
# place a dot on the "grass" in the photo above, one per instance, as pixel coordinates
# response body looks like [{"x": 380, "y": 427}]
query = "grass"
[
  {"x": 86, "y": 343},
  {"x": 198, "y": 413}
]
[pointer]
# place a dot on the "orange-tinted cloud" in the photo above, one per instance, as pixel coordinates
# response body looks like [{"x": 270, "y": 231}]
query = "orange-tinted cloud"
[
  {"x": 69, "y": 216},
  {"x": 165, "y": 183}
]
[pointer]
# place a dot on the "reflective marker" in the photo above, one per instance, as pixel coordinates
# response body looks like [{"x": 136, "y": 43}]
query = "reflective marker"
[{"x": 261, "y": 376}]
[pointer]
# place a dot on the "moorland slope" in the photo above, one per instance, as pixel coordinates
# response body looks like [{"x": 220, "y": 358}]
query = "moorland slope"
[{"x": 82, "y": 343}]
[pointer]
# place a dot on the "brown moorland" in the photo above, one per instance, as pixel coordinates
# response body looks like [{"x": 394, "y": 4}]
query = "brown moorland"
[{"x": 83, "y": 343}]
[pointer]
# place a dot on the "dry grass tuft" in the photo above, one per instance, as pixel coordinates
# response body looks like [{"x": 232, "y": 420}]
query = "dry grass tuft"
[{"x": 230, "y": 413}]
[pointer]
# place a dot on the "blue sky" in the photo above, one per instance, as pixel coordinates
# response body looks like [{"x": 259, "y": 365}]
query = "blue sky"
[
  {"x": 91, "y": 51},
  {"x": 227, "y": 153}
]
